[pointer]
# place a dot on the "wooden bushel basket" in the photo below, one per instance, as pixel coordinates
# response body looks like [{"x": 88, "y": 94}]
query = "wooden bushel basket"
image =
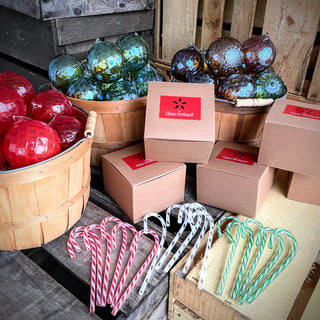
[
  {"x": 119, "y": 124},
  {"x": 40, "y": 202}
]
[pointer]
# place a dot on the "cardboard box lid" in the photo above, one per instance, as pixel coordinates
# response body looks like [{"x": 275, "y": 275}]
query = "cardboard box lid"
[
  {"x": 180, "y": 111},
  {"x": 235, "y": 158},
  {"x": 294, "y": 113},
  {"x": 131, "y": 164}
]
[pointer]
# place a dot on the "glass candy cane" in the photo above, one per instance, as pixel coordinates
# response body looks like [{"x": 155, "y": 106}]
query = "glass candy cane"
[
  {"x": 182, "y": 209},
  {"x": 157, "y": 255},
  {"x": 238, "y": 223},
  {"x": 268, "y": 267},
  {"x": 118, "y": 302},
  {"x": 287, "y": 261},
  {"x": 260, "y": 242}
]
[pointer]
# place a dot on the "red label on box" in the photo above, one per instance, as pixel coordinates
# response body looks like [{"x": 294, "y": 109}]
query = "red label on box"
[
  {"x": 188, "y": 108},
  {"x": 302, "y": 112},
  {"x": 137, "y": 161},
  {"x": 237, "y": 156}
]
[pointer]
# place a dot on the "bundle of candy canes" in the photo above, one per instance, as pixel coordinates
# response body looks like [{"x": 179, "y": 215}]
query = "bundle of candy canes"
[
  {"x": 246, "y": 288},
  {"x": 193, "y": 214}
]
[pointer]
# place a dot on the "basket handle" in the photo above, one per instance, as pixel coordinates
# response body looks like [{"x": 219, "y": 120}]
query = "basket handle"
[
  {"x": 253, "y": 102},
  {"x": 91, "y": 124}
]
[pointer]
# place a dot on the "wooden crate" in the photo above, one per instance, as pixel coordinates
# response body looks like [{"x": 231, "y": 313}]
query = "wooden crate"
[
  {"x": 292, "y": 25},
  {"x": 38, "y": 41},
  {"x": 276, "y": 301}
]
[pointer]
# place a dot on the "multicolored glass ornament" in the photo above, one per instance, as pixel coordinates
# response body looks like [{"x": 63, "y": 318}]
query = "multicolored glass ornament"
[
  {"x": 62, "y": 70},
  {"x": 259, "y": 53},
  {"x": 269, "y": 85},
  {"x": 224, "y": 56},
  {"x": 136, "y": 52},
  {"x": 185, "y": 62},
  {"x": 121, "y": 90},
  {"x": 85, "y": 88},
  {"x": 237, "y": 86},
  {"x": 142, "y": 78},
  {"x": 106, "y": 61},
  {"x": 201, "y": 77}
]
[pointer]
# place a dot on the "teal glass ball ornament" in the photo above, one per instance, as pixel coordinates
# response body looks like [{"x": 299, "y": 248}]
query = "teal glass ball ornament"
[
  {"x": 85, "y": 88},
  {"x": 63, "y": 70},
  {"x": 136, "y": 52},
  {"x": 106, "y": 61},
  {"x": 121, "y": 90},
  {"x": 269, "y": 85},
  {"x": 142, "y": 78}
]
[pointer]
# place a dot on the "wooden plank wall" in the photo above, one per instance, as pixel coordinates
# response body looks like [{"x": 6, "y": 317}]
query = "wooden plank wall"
[{"x": 293, "y": 26}]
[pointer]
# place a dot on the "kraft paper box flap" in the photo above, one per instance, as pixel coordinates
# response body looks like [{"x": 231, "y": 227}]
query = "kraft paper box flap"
[
  {"x": 235, "y": 158},
  {"x": 180, "y": 111},
  {"x": 294, "y": 113},
  {"x": 132, "y": 165}
]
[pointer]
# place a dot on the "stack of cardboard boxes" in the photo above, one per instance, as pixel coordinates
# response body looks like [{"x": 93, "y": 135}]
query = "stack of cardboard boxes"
[{"x": 180, "y": 128}]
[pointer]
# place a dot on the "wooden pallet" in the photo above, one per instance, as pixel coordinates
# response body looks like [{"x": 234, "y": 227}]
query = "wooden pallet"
[
  {"x": 292, "y": 25},
  {"x": 276, "y": 301}
]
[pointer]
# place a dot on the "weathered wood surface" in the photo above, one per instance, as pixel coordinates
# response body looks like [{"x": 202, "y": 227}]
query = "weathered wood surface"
[
  {"x": 85, "y": 28},
  {"x": 27, "y": 292},
  {"x": 43, "y": 9}
]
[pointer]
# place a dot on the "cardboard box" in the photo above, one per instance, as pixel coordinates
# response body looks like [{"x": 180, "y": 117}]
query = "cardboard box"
[
  {"x": 180, "y": 122},
  {"x": 291, "y": 137},
  {"x": 140, "y": 186},
  {"x": 304, "y": 188},
  {"x": 233, "y": 180}
]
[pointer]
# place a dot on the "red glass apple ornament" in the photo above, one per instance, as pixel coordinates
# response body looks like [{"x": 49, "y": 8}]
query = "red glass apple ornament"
[
  {"x": 11, "y": 104},
  {"x": 30, "y": 141},
  {"x": 2, "y": 158},
  {"x": 18, "y": 83},
  {"x": 70, "y": 130},
  {"x": 49, "y": 103}
]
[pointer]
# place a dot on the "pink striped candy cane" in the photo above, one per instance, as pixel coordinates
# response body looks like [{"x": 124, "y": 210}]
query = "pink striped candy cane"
[
  {"x": 124, "y": 227},
  {"x": 72, "y": 241},
  {"x": 90, "y": 229},
  {"x": 120, "y": 301},
  {"x": 105, "y": 235}
]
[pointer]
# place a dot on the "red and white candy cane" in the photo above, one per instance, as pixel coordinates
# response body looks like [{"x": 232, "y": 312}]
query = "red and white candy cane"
[
  {"x": 105, "y": 235},
  {"x": 123, "y": 227},
  {"x": 72, "y": 241},
  {"x": 134, "y": 248},
  {"x": 90, "y": 230},
  {"x": 90, "y": 243}
]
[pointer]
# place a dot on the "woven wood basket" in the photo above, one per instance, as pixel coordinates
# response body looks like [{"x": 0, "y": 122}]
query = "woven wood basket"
[
  {"x": 119, "y": 124},
  {"x": 40, "y": 202}
]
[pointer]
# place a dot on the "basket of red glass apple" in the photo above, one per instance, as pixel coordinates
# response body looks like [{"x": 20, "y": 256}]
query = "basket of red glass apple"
[{"x": 45, "y": 144}]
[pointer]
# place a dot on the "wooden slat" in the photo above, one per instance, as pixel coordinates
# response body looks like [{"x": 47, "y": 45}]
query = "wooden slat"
[
  {"x": 292, "y": 26},
  {"x": 86, "y": 28},
  {"x": 27, "y": 292},
  {"x": 242, "y": 19},
  {"x": 314, "y": 90},
  {"x": 65, "y": 9},
  {"x": 179, "y": 26},
  {"x": 212, "y": 21}
]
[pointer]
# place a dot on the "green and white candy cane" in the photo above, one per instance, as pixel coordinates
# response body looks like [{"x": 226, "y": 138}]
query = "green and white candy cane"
[
  {"x": 157, "y": 255},
  {"x": 260, "y": 242},
  {"x": 281, "y": 267},
  {"x": 246, "y": 228},
  {"x": 240, "y": 231},
  {"x": 268, "y": 267}
]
